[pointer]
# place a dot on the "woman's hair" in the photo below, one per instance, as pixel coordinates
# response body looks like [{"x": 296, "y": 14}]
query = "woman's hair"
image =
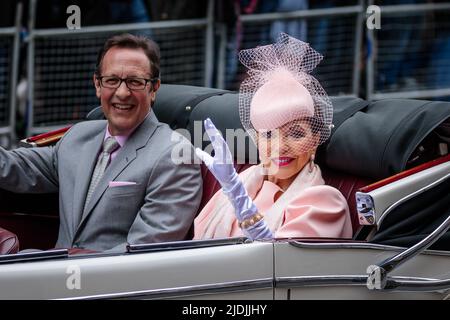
[{"x": 127, "y": 40}]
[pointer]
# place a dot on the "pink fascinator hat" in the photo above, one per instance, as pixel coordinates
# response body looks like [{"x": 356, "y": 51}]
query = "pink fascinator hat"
[
  {"x": 280, "y": 100},
  {"x": 280, "y": 90}
]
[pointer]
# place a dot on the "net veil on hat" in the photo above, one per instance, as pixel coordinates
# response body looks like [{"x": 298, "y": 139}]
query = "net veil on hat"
[{"x": 280, "y": 92}]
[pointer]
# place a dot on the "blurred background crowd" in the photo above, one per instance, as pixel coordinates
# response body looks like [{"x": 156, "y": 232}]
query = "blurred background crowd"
[{"x": 46, "y": 69}]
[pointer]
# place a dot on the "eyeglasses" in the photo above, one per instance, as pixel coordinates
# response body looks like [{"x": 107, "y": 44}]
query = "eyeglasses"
[{"x": 112, "y": 82}]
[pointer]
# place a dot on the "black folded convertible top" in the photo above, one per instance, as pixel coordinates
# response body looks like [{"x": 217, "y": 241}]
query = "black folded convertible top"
[
  {"x": 383, "y": 138},
  {"x": 370, "y": 139}
]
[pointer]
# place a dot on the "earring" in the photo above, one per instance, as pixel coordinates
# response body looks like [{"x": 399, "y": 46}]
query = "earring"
[
  {"x": 264, "y": 169},
  {"x": 311, "y": 162}
]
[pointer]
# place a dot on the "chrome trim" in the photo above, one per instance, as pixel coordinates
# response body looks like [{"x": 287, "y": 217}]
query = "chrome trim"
[
  {"x": 346, "y": 280},
  {"x": 342, "y": 245},
  {"x": 409, "y": 196},
  {"x": 337, "y": 245},
  {"x": 365, "y": 208},
  {"x": 388, "y": 265},
  {"x": 5, "y": 129},
  {"x": 224, "y": 287},
  {"x": 417, "y": 285},
  {"x": 397, "y": 283},
  {"x": 416, "y": 94}
]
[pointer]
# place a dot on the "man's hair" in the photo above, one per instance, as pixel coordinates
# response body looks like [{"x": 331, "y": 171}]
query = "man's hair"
[{"x": 127, "y": 40}]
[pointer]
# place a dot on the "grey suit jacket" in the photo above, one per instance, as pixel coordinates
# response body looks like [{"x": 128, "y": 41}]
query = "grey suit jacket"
[{"x": 159, "y": 207}]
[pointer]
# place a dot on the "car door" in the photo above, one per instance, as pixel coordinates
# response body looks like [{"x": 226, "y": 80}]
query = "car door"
[
  {"x": 339, "y": 270},
  {"x": 218, "y": 271}
]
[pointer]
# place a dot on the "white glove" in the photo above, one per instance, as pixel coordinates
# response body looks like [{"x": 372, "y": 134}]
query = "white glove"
[{"x": 221, "y": 166}]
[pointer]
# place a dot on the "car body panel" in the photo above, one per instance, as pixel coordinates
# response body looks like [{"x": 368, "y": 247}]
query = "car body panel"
[
  {"x": 259, "y": 270},
  {"x": 144, "y": 275},
  {"x": 309, "y": 263}
]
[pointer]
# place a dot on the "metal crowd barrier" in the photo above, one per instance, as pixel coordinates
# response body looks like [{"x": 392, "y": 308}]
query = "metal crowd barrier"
[
  {"x": 408, "y": 57},
  {"x": 9, "y": 62},
  {"x": 61, "y": 63},
  {"x": 410, "y": 53},
  {"x": 335, "y": 32}
]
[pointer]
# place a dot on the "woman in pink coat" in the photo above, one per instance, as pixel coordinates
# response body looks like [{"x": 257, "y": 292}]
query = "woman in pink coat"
[{"x": 288, "y": 114}]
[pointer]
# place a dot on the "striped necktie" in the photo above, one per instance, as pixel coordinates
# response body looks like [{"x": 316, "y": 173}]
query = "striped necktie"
[{"x": 109, "y": 146}]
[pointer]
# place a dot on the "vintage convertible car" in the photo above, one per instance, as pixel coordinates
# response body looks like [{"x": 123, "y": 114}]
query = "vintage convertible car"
[{"x": 389, "y": 158}]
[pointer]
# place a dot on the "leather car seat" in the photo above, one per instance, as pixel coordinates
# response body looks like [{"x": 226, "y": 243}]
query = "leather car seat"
[{"x": 9, "y": 243}]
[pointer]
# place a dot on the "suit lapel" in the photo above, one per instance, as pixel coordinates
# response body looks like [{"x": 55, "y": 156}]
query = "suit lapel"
[
  {"x": 124, "y": 157},
  {"x": 88, "y": 158}
]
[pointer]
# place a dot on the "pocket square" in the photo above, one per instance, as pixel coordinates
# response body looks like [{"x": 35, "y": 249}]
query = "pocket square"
[{"x": 113, "y": 184}]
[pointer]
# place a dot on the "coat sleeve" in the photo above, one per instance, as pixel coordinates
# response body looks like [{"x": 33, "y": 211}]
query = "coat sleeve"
[
  {"x": 319, "y": 211},
  {"x": 29, "y": 170}
]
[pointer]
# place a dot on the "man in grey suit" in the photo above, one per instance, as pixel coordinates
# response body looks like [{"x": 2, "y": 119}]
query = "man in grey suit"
[{"x": 143, "y": 195}]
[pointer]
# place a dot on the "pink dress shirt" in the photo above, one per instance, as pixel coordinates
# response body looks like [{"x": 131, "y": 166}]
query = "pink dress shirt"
[{"x": 120, "y": 139}]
